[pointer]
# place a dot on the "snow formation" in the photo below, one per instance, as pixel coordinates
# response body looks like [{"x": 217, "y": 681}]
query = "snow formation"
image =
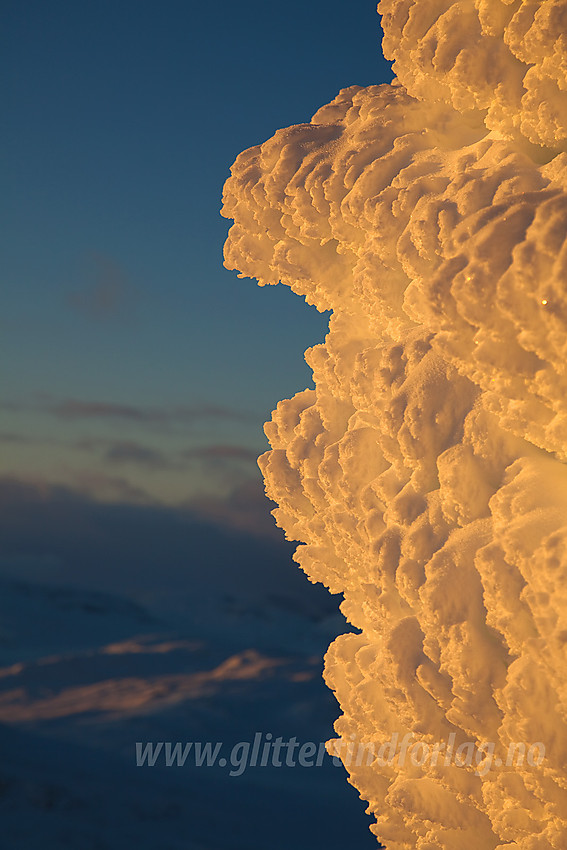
[{"x": 425, "y": 475}]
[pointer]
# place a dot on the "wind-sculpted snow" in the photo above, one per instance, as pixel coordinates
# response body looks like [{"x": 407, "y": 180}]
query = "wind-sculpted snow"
[
  {"x": 503, "y": 57},
  {"x": 425, "y": 475}
]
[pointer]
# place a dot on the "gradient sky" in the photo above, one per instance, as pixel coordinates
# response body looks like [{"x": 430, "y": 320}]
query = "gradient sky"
[{"x": 136, "y": 367}]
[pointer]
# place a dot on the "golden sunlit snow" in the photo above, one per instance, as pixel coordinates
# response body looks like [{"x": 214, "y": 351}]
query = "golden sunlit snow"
[{"x": 425, "y": 475}]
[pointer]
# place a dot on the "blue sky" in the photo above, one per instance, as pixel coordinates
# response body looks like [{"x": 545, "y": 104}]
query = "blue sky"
[
  {"x": 137, "y": 371},
  {"x": 136, "y": 366}
]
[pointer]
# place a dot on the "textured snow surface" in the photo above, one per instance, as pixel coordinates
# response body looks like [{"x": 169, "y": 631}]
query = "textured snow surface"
[{"x": 425, "y": 475}]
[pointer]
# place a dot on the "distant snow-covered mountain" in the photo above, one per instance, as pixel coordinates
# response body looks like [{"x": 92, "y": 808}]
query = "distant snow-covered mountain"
[{"x": 85, "y": 675}]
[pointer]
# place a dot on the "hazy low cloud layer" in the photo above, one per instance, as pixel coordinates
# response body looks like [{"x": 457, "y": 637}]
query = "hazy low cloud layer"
[
  {"x": 126, "y": 464},
  {"x": 61, "y": 535},
  {"x": 425, "y": 473}
]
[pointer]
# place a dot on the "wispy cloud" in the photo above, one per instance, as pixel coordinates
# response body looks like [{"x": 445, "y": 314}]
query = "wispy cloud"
[
  {"x": 86, "y": 485},
  {"x": 222, "y": 453},
  {"x": 77, "y": 409},
  {"x": 130, "y": 452},
  {"x": 127, "y": 451},
  {"x": 227, "y": 463},
  {"x": 13, "y": 437},
  {"x": 110, "y": 488},
  {"x": 108, "y": 292},
  {"x": 80, "y": 409}
]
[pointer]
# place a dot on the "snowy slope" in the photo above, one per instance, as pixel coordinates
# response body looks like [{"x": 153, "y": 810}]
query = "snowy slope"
[{"x": 86, "y": 675}]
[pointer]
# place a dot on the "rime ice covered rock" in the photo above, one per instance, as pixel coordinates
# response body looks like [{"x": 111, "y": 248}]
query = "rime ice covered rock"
[{"x": 425, "y": 475}]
